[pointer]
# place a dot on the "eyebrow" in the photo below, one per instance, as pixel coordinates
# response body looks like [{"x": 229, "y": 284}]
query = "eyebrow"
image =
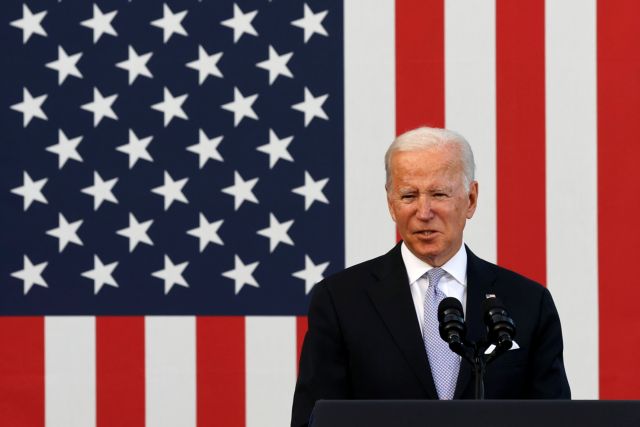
[
  {"x": 440, "y": 189},
  {"x": 434, "y": 189},
  {"x": 407, "y": 190}
]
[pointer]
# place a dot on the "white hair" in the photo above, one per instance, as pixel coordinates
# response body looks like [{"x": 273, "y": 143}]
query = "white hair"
[{"x": 425, "y": 137}]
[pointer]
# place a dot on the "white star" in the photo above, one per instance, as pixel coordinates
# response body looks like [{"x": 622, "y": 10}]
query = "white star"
[
  {"x": 276, "y": 64},
  {"x": 241, "y": 190},
  {"x": 312, "y": 190},
  {"x": 241, "y": 23},
  {"x": 101, "y": 190},
  {"x": 206, "y": 64},
  {"x": 30, "y": 274},
  {"x": 206, "y": 148},
  {"x": 101, "y": 274},
  {"x": 277, "y": 232},
  {"x": 241, "y": 106},
  {"x": 30, "y": 23},
  {"x": 66, "y": 232},
  {"x": 276, "y": 148},
  {"x": 242, "y": 274},
  {"x": 171, "y": 107},
  {"x": 171, "y": 190},
  {"x": 136, "y": 65},
  {"x": 100, "y": 23},
  {"x": 311, "y": 106},
  {"x": 30, "y": 190},
  {"x": 136, "y": 232},
  {"x": 100, "y": 107},
  {"x": 65, "y": 148},
  {"x": 311, "y": 23},
  {"x": 207, "y": 232},
  {"x": 30, "y": 107},
  {"x": 170, "y": 23},
  {"x": 65, "y": 65},
  {"x": 136, "y": 149},
  {"x": 171, "y": 274},
  {"x": 311, "y": 274}
]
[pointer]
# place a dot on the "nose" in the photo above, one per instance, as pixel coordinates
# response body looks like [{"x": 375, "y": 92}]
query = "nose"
[{"x": 424, "y": 208}]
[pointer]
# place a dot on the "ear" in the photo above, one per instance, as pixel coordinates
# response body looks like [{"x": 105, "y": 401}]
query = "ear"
[
  {"x": 473, "y": 199},
  {"x": 390, "y": 206}
]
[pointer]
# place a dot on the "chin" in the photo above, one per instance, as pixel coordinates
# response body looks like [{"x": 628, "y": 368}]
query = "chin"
[
  {"x": 426, "y": 249},
  {"x": 427, "y": 255}
]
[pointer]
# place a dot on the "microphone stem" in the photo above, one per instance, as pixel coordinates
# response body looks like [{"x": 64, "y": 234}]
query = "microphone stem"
[{"x": 479, "y": 368}]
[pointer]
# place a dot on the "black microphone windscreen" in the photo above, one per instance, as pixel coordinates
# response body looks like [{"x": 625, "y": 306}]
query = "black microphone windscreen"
[
  {"x": 449, "y": 303},
  {"x": 491, "y": 303},
  {"x": 501, "y": 328}
]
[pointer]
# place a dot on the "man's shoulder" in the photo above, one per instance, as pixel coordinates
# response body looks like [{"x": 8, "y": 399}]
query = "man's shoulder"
[
  {"x": 370, "y": 268},
  {"x": 504, "y": 278},
  {"x": 366, "y": 272}
]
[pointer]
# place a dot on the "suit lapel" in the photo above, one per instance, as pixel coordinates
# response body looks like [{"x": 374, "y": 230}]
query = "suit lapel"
[
  {"x": 391, "y": 297},
  {"x": 480, "y": 278}
]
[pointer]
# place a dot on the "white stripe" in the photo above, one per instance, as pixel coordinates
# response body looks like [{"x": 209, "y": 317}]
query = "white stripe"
[
  {"x": 470, "y": 106},
  {"x": 572, "y": 246},
  {"x": 170, "y": 355},
  {"x": 70, "y": 367},
  {"x": 271, "y": 370},
  {"x": 369, "y": 128}
]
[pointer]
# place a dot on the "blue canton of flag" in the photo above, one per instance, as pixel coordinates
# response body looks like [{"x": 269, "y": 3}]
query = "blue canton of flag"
[{"x": 169, "y": 158}]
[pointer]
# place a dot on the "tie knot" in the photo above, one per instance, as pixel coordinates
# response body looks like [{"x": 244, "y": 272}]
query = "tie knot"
[{"x": 434, "y": 275}]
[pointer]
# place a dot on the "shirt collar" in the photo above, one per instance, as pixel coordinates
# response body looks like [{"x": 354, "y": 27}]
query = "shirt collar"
[{"x": 456, "y": 267}]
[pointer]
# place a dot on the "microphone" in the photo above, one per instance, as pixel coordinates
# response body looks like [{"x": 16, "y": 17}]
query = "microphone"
[
  {"x": 501, "y": 329},
  {"x": 452, "y": 327}
]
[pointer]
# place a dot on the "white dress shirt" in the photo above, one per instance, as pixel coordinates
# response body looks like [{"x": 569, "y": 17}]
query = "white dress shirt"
[{"x": 452, "y": 284}]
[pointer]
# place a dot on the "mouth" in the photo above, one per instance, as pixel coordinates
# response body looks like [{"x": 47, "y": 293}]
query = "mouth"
[{"x": 425, "y": 234}]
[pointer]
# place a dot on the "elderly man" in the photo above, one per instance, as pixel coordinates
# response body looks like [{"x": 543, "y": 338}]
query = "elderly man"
[{"x": 373, "y": 327}]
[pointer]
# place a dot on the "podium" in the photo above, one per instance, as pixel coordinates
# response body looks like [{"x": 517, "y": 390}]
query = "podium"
[{"x": 472, "y": 413}]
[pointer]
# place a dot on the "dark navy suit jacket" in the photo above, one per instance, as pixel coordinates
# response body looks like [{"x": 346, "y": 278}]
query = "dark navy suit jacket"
[{"x": 364, "y": 339}]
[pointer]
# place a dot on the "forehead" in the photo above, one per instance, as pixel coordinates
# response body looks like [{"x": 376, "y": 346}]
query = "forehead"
[{"x": 436, "y": 160}]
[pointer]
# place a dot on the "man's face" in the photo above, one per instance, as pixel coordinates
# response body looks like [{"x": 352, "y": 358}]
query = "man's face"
[{"x": 429, "y": 202}]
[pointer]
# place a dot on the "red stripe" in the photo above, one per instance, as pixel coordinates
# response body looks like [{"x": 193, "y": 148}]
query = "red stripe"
[
  {"x": 419, "y": 64},
  {"x": 301, "y": 330},
  {"x": 520, "y": 104},
  {"x": 120, "y": 372},
  {"x": 220, "y": 368},
  {"x": 22, "y": 371},
  {"x": 618, "y": 230}
]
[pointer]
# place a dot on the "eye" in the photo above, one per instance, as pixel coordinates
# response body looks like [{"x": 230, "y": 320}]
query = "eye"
[{"x": 407, "y": 197}]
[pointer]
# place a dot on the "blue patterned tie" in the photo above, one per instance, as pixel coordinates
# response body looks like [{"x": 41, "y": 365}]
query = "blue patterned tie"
[{"x": 444, "y": 363}]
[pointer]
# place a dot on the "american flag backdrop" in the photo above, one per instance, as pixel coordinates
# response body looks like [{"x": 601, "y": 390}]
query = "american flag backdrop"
[{"x": 175, "y": 176}]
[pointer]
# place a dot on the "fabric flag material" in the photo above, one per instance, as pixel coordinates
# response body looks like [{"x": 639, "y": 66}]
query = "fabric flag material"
[
  {"x": 176, "y": 176},
  {"x": 172, "y": 188}
]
